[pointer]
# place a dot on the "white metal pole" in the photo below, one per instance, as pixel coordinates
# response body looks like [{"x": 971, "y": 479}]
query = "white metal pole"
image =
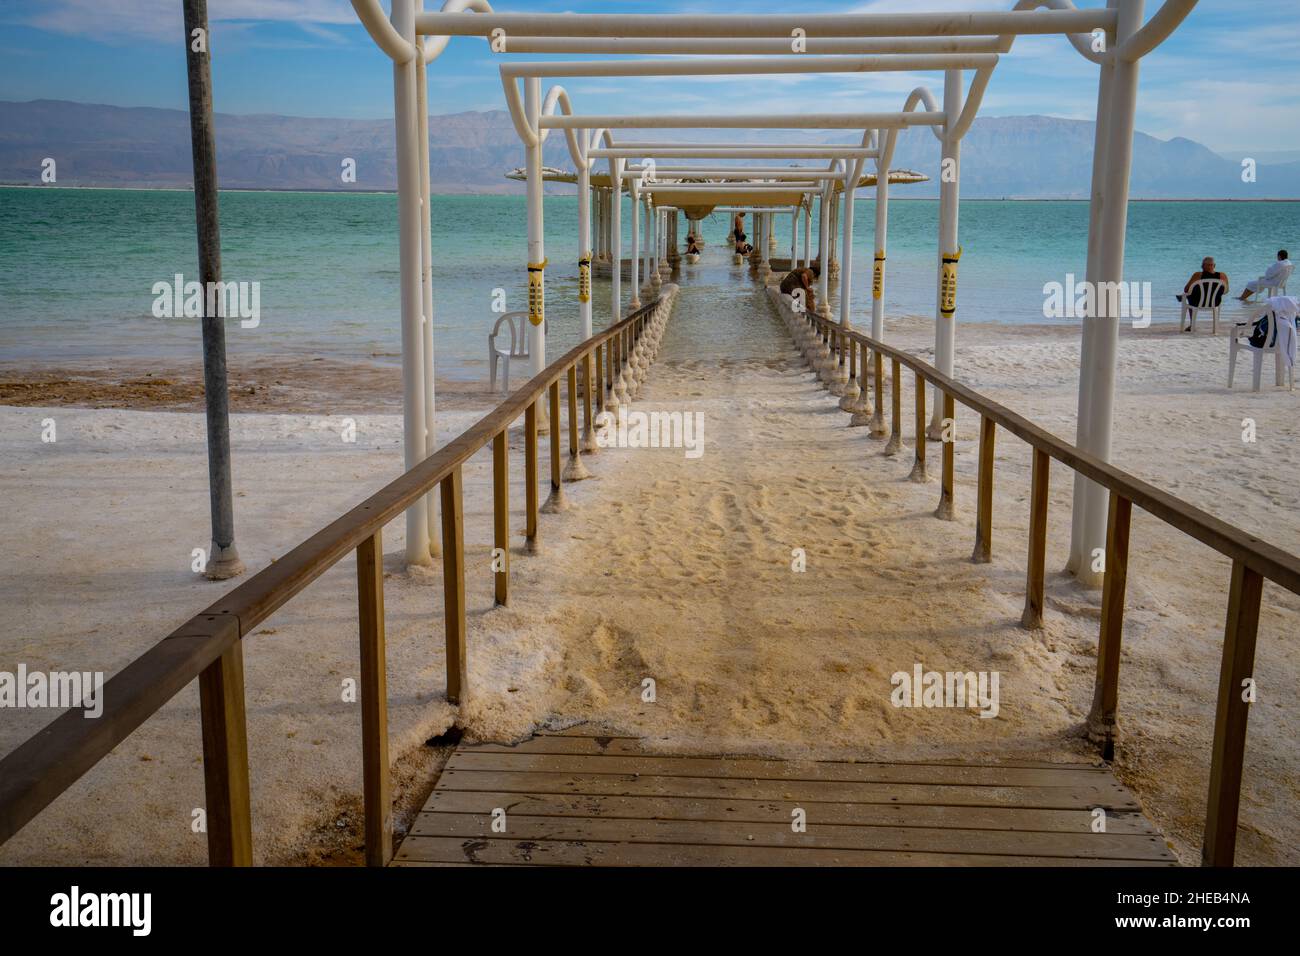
[
  {"x": 661, "y": 240},
  {"x": 945, "y": 314},
  {"x": 794, "y": 238},
  {"x": 878, "y": 266},
  {"x": 585, "y": 251},
  {"x": 807, "y": 233},
  {"x": 636, "y": 254},
  {"x": 764, "y": 266},
  {"x": 409, "y": 219},
  {"x": 647, "y": 236},
  {"x": 824, "y": 250},
  {"x": 1100, "y": 350},
  {"x": 656, "y": 222},
  {"x": 616, "y": 239},
  {"x": 426, "y": 275},
  {"x": 853, "y": 174},
  {"x": 536, "y": 244},
  {"x": 1079, "y": 559}
]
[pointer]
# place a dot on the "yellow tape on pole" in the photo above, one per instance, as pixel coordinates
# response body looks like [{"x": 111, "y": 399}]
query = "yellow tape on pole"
[
  {"x": 537, "y": 292},
  {"x": 584, "y": 278},
  {"x": 948, "y": 284},
  {"x": 878, "y": 275}
]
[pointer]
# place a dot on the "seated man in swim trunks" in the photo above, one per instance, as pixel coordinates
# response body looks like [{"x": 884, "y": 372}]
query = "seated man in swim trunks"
[
  {"x": 801, "y": 279},
  {"x": 1192, "y": 295}
]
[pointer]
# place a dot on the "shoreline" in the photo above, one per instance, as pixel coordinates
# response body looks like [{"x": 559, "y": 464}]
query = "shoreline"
[
  {"x": 293, "y": 384},
  {"x": 572, "y": 191}
]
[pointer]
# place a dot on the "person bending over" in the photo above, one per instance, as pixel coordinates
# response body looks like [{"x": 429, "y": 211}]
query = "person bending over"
[{"x": 801, "y": 279}]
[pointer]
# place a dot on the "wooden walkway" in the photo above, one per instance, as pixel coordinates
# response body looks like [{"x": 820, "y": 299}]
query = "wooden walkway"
[{"x": 575, "y": 799}]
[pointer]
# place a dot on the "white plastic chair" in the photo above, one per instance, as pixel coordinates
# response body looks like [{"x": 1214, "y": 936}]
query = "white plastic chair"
[
  {"x": 518, "y": 347},
  {"x": 1208, "y": 292},
  {"x": 1240, "y": 334},
  {"x": 1280, "y": 288}
]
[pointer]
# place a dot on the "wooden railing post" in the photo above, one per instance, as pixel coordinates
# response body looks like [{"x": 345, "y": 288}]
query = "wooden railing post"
[
  {"x": 225, "y": 760},
  {"x": 588, "y": 435},
  {"x": 947, "y": 506},
  {"x": 918, "y": 465},
  {"x": 555, "y": 501},
  {"x": 575, "y": 470},
  {"x": 530, "y": 476},
  {"x": 378, "y": 801},
  {"x": 1103, "y": 726},
  {"x": 1036, "y": 574},
  {"x": 600, "y": 375},
  {"x": 895, "y": 443},
  {"x": 983, "y": 553},
  {"x": 453, "y": 583},
  {"x": 877, "y": 428},
  {"x": 501, "y": 513},
  {"x": 1229, "y": 754}
]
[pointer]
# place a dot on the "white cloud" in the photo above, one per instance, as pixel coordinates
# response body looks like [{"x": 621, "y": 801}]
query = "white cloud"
[{"x": 161, "y": 19}]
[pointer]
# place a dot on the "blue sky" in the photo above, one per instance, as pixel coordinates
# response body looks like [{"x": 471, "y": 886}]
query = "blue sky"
[{"x": 1222, "y": 80}]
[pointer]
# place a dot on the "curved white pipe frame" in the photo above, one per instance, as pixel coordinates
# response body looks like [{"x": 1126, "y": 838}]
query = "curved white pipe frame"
[
  {"x": 1080, "y": 41},
  {"x": 433, "y": 49},
  {"x": 556, "y": 96},
  {"x": 1165, "y": 21},
  {"x": 974, "y": 97},
  {"x": 385, "y": 35}
]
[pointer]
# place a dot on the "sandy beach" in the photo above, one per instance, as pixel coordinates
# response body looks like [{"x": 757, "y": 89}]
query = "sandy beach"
[{"x": 665, "y": 567}]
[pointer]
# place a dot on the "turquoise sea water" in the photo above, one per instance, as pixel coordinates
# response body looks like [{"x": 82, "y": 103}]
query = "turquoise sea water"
[{"x": 77, "y": 266}]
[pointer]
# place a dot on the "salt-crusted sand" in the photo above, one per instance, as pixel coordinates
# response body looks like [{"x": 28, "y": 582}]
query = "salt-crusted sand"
[{"x": 675, "y": 569}]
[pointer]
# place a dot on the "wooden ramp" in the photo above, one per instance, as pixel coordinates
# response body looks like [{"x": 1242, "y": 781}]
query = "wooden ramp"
[{"x": 581, "y": 800}]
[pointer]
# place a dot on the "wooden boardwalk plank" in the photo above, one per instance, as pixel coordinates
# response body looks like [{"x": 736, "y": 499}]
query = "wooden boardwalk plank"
[
  {"x": 438, "y": 850},
  {"x": 1110, "y": 797},
  {"x": 950, "y": 775},
  {"x": 765, "y": 811},
  {"x": 576, "y": 799},
  {"x": 819, "y": 835},
  {"x": 574, "y": 741}
]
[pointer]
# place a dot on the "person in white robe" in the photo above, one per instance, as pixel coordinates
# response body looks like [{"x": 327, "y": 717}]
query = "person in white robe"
[{"x": 1273, "y": 278}]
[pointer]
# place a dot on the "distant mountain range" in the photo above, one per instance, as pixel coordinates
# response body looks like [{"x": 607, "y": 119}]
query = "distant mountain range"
[{"x": 1013, "y": 157}]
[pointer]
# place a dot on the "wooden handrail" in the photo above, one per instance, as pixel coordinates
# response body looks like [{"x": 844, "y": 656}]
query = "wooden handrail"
[
  {"x": 1270, "y": 561},
  {"x": 1253, "y": 561},
  {"x": 45, "y": 765}
]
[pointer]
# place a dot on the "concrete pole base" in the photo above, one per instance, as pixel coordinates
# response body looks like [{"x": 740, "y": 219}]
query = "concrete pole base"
[
  {"x": 555, "y": 502},
  {"x": 894, "y": 446},
  {"x": 946, "y": 511},
  {"x": 1104, "y": 732},
  {"x": 223, "y": 563},
  {"x": 575, "y": 470},
  {"x": 588, "y": 443},
  {"x": 878, "y": 429},
  {"x": 1086, "y": 577},
  {"x": 918, "y": 474}
]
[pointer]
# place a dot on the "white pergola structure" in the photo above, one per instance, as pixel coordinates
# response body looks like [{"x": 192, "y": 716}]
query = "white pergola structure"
[{"x": 1113, "y": 36}]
